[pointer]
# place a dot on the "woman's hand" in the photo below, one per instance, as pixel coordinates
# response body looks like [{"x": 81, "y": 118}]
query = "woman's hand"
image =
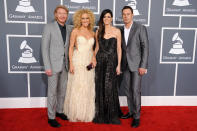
[
  {"x": 71, "y": 69},
  {"x": 94, "y": 62},
  {"x": 118, "y": 70}
]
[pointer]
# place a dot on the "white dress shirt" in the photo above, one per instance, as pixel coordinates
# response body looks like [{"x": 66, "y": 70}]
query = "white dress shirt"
[{"x": 126, "y": 33}]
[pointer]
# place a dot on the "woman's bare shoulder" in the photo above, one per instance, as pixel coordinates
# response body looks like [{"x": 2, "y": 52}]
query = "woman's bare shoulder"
[
  {"x": 115, "y": 30},
  {"x": 75, "y": 31},
  {"x": 93, "y": 33}
]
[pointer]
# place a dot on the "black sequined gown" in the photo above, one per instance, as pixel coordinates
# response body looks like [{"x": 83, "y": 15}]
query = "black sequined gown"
[{"x": 107, "y": 102}]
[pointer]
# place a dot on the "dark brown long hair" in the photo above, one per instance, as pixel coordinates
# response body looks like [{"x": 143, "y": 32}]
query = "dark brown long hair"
[{"x": 101, "y": 30}]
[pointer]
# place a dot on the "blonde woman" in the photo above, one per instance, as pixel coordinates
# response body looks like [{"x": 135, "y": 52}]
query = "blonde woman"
[{"x": 80, "y": 95}]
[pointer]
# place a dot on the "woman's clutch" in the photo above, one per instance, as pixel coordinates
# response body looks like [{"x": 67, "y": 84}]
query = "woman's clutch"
[{"x": 89, "y": 67}]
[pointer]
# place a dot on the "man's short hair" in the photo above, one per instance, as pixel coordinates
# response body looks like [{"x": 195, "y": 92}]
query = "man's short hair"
[
  {"x": 62, "y": 7},
  {"x": 127, "y": 7}
]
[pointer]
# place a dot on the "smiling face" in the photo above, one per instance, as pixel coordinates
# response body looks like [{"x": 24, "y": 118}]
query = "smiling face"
[
  {"x": 85, "y": 20},
  {"x": 107, "y": 19},
  {"x": 127, "y": 16},
  {"x": 61, "y": 16}
]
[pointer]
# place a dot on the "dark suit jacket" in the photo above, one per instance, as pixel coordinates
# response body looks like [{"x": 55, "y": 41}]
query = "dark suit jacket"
[{"x": 135, "y": 53}]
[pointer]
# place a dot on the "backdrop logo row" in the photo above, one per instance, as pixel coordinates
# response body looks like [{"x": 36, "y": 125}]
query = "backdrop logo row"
[
  {"x": 35, "y": 10},
  {"x": 141, "y": 8},
  {"x": 24, "y": 50}
]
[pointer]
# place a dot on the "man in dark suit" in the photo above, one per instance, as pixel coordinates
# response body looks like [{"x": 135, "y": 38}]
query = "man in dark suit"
[
  {"x": 55, "y": 42},
  {"x": 134, "y": 62}
]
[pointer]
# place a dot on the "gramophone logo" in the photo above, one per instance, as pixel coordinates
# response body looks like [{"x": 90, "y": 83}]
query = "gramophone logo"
[
  {"x": 25, "y": 11},
  {"x": 177, "y": 45},
  {"x": 133, "y": 4},
  {"x": 180, "y": 8},
  {"x": 25, "y": 6},
  {"x": 80, "y": 1},
  {"x": 74, "y": 5},
  {"x": 141, "y": 11},
  {"x": 27, "y": 53},
  {"x": 181, "y": 3}
]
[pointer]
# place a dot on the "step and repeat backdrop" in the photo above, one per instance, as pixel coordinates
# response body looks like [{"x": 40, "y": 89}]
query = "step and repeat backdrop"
[{"x": 172, "y": 30}]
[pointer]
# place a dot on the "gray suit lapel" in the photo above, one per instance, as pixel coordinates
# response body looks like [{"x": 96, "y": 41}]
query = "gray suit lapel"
[
  {"x": 58, "y": 32},
  {"x": 123, "y": 38},
  {"x": 131, "y": 34}
]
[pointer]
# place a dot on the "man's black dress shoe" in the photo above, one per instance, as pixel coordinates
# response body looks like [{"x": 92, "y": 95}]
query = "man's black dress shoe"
[
  {"x": 53, "y": 123},
  {"x": 120, "y": 114},
  {"x": 135, "y": 123},
  {"x": 128, "y": 115},
  {"x": 62, "y": 116}
]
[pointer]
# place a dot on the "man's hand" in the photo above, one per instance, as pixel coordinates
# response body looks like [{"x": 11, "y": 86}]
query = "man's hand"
[
  {"x": 48, "y": 72},
  {"x": 142, "y": 71}
]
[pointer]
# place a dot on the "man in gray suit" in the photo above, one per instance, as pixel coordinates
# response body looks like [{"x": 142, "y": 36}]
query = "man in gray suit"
[
  {"x": 55, "y": 42},
  {"x": 134, "y": 62}
]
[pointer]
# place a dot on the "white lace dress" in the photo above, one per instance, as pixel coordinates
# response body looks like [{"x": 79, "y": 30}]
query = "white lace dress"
[{"x": 79, "y": 102}]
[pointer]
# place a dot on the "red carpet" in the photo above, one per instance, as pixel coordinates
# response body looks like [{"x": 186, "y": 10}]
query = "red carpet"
[{"x": 156, "y": 118}]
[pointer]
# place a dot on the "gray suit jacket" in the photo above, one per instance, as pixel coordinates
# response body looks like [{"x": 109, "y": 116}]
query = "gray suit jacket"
[
  {"x": 135, "y": 53},
  {"x": 53, "y": 47}
]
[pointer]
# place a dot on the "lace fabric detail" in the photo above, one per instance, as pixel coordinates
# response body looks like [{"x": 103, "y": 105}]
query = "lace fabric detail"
[
  {"x": 107, "y": 102},
  {"x": 80, "y": 93}
]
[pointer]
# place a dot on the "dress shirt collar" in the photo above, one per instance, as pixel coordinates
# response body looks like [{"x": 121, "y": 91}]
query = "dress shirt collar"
[{"x": 128, "y": 28}]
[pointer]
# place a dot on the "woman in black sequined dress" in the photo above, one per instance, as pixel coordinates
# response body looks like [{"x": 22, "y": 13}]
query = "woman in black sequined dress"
[{"x": 108, "y": 56}]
